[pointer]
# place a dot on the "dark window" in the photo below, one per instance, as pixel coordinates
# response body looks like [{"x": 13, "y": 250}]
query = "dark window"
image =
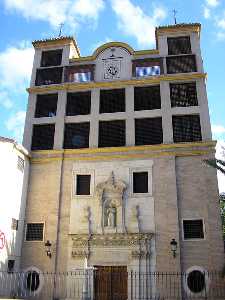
[
  {"x": 196, "y": 281},
  {"x": 34, "y": 232},
  {"x": 181, "y": 64},
  {"x": 20, "y": 164},
  {"x": 43, "y": 137},
  {"x": 32, "y": 281},
  {"x": 183, "y": 94},
  {"x": 78, "y": 104},
  {"x": 193, "y": 229},
  {"x": 51, "y": 58},
  {"x": 76, "y": 135},
  {"x": 83, "y": 184},
  {"x": 148, "y": 131},
  {"x": 147, "y": 98},
  {"x": 14, "y": 224},
  {"x": 179, "y": 45},
  {"x": 186, "y": 128},
  {"x": 11, "y": 264},
  {"x": 112, "y": 101},
  {"x": 112, "y": 133},
  {"x": 46, "y": 105},
  {"x": 140, "y": 182},
  {"x": 49, "y": 76}
]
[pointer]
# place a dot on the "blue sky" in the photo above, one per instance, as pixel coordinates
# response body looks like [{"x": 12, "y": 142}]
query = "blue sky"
[{"x": 94, "y": 22}]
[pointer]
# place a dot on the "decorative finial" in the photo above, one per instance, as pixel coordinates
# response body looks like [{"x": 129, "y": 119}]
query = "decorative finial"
[
  {"x": 60, "y": 29},
  {"x": 175, "y": 16}
]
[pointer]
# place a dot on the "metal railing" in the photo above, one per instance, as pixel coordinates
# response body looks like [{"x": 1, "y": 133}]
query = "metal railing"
[{"x": 90, "y": 284}]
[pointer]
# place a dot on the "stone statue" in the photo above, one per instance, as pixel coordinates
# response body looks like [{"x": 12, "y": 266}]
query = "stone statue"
[{"x": 111, "y": 217}]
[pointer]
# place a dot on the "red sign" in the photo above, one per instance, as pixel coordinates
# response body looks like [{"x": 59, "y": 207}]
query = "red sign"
[{"x": 2, "y": 240}]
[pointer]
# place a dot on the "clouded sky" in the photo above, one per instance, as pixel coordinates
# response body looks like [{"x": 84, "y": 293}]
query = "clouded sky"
[{"x": 94, "y": 22}]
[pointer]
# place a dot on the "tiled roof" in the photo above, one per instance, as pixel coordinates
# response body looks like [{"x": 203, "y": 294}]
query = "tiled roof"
[
  {"x": 56, "y": 39},
  {"x": 179, "y": 25}
]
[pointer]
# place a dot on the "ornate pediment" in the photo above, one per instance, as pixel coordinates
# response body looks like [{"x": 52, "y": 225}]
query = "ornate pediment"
[{"x": 107, "y": 240}]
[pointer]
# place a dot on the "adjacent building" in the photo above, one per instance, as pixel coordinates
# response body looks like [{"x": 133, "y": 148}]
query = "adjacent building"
[
  {"x": 117, "y": 142},
  {"x": 14, "y": 172}
]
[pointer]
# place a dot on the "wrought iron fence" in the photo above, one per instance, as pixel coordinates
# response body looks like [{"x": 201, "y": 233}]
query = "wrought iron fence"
[{"x": 90, "y": 284}]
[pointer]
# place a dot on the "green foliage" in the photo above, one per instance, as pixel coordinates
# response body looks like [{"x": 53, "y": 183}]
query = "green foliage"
[{"x": 217, "y": 164}]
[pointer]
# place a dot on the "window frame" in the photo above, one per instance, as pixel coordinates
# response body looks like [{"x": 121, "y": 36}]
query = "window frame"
[
  {"x": 36, "y": 241},
  {"x": 177, "y": 37},
  {"x": 193, "y": 239},
  {"x": 140, "y": 170},
  {"x": 92, "y": 182}
]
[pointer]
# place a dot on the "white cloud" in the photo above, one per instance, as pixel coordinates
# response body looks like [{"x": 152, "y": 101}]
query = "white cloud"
[
  {"x": 218, "y": 132},
  {"x": 100, "y": 43},
  {"x": 55, "y": 11},
  {"x": 15, "y": 67},
  {"x": 207, "y": 13},
  {"x": 134, "y": 22},
  {"x": 212, "y": 3},
  {"x": 5, "y": 100},
  {"x": 221, "y": 23},
  {"x": 15, "y": 124}
]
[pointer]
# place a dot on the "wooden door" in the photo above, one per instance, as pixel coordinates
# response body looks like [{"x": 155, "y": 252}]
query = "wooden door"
[{"x": 111, "y": 283}]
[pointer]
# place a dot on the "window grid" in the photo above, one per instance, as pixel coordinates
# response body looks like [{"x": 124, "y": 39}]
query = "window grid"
[
  {"x": 43, "y": 137},
  {"x": 181, "y": 64},
  {"x": 148, "y": 131},
  {"x": 186, "y": 128},
  {"x": 20, "y": 163},
  {"x": 46, "y": 105},
  {"x": 76, "y": 135},
  {"x": 51, "y": 58},
  {"x": 179, "y": 45},
  {"x": 183, "y": 94},
  {"x": 112, "y": 133},
  {"x": 112, "y": 101},
  {"x": 193, "y": 229},
  {"x": 34, "y": 231},
  {"x": 78, "y": 103},
  {"x": 147, "y": 98}
]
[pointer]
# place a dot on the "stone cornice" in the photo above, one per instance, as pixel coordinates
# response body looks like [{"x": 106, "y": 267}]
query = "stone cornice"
[
  {"x": 114, "y": 84},
  {"x": 131, "y": 152}
]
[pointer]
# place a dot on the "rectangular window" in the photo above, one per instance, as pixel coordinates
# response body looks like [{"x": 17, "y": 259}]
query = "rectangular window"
[
  {"x": 43, "y": 137},
  {"x": 14, "y": 224},
  {"x": 147, "y": 67},
  {"x": 80, "y": 73},
  {"x": 181, "y": 64},
  {"x": 147, "y": 71},
  {"x": 49, "y": 76},
  {"x": 193, "y": 229},
  {"x": 179, "y": 45},
  {"x": 147, "y": 98},
  {"x": 148, "y": 131},
  {"x": 140, "y": 182},
  {"x": 186, "y": 128},
  {"x": 112, "y": 133},
  {"x": 112, "y": 101},
  {"x": 51, "y": 58},
  {"x": 76, "y": 135},
  {"x": 46, "y": 105},
  {"x": 11, "y": 264},
  {"x": 183, "y": 94},
  {"x": 20, "y": 163},
  {"x": 78, "y": 104},
  {"x": 34, "y": 231},
  {"x": 83, "y": 184}
]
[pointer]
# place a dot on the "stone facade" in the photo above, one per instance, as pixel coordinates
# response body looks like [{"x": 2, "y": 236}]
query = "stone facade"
[{"x": 112, "y": 225}]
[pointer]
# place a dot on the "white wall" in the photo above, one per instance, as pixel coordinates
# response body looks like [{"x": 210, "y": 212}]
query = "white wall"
[{"x": 13, "y": 196}]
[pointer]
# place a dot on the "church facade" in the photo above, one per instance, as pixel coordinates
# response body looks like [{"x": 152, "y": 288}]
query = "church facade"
[{"x": 117, "y": 143}]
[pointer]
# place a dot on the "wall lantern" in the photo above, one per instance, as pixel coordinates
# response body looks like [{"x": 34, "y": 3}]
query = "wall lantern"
[
  {"x": 173, "y": 245},
  {"x": 48, "y": 248}
]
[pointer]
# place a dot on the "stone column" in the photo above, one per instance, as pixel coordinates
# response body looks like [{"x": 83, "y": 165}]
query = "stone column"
[
  {"x": 166, "y": 112},
  {"x": 95, "y": 99},
  {"x": 60, "y": 120}
]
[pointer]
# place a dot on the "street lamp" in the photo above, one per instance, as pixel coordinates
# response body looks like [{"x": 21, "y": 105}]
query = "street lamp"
[
  {"x": 48, "y": 248},
  {"x": 173, "y": 245}
]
